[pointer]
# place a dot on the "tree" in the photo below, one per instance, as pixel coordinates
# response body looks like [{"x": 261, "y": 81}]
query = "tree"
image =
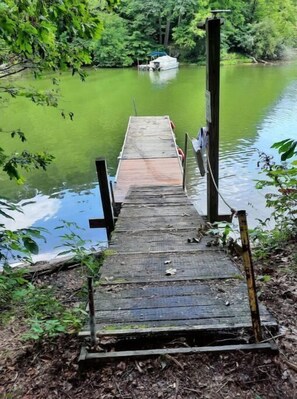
[
  {"x": 260, "y": 28},
  {"x": 112, "y": 50},
  {"x": 154, "y": 21},
  {"x": 38, "y": 35},
  {"x": 188, "y": 38}
]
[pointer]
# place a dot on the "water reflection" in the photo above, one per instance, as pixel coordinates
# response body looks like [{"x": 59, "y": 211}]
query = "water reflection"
[
  {"x": 255, "y": 112},
  {"x": 38, "y": 208},
  {"x": 50, "y": 212},
  {"x": 163, "y": 77},
  {"x": 239, "y": 159}
]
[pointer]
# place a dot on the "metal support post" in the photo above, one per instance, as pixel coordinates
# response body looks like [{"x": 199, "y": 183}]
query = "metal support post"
[
  {"x": 185, "y": 162},
  {"x": 250, "y": 276},
  {"x": 92, "y": 312}
]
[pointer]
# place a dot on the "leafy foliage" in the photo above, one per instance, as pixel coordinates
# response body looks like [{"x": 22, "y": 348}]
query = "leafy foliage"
[
  {"x": 44, "y": 314},
  {"x": 19, "y": 244},
  {"x": 10, "y": 280},
  {"x": 38, "y": 35},
  {"x": 113, "y": 49},
  {"x": 261, "y": 29},
  {"x": 282, "y": 180},
  {"x": 268, "y": 241},
  {"x": 48, "y": 34},
  {"x": 77, "y": 247},
  {"x": 287, "y": 148},
  {"x": 283, "y": 200}
]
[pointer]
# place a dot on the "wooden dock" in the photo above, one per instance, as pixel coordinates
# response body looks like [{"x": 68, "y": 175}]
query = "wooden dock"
[
  {"x": 148, "y": 157},
  {"x": 160, "y": 276}
]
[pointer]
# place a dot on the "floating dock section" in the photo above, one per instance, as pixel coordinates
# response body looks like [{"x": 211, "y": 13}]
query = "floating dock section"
[{"x": 148, "y": 157}]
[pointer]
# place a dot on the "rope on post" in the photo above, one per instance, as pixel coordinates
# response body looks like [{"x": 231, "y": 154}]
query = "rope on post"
[{"x": 214, "y": 183}]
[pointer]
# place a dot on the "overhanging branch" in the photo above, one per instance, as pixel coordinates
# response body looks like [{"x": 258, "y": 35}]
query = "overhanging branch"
[{"x": 13, "y": 72}]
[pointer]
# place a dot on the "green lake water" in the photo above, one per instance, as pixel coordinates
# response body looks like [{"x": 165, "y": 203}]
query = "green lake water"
[{"x": 258, "y": 107}]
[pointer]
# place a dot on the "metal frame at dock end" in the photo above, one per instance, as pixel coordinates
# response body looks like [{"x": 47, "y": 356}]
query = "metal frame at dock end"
[{"x": 90, "y": 357}]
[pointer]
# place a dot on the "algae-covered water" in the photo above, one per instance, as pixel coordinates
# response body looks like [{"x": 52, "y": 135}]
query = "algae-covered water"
[{"x": 258, "y": 107}]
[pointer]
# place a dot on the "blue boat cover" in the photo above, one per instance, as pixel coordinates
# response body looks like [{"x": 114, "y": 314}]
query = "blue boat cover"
[{"x": 157, "y": 53}]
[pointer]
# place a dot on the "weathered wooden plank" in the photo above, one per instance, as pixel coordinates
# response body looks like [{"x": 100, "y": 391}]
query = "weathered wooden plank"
[
  {"x": 149, "y": 147},
  {"x": 156, "y": 200},
  {"x": 171, "y": 314},
  {"x": 207, "y": 325},
  {"x": 157, "y": 193},
  {"x": 229, "y": 288},
  {"x": 157, "y": 222},
  {"x": 116, "y": 355},
  {"x": 146, "y": 291},
  {"x": 157, "y": 302},
  {"x": 167, "y": 241},
  {"x": 155, "y": 190},
  {"x": 178, "y": 326},
  {"x": 141, "y": 172},
  {"x": 156, "y": 210},
  {"x": 158, "y": 279},
  {"x": 153, "y": 267}
]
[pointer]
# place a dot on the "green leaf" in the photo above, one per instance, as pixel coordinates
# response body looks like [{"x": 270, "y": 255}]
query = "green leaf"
[
  {"x": 30, "y": 245},
  {"x": 280, "y": 143},
  {"x": 65, "y": 252},
  {"x": 290, "y": 152},
  {"x": 6, "y": 215}
]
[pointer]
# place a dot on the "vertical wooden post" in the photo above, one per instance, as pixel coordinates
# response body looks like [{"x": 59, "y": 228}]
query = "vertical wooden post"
[
  {"x": 92, "y": 312},
  {"x": 250, "y": 276},
  {"x": 105, "y": 195},
  {"x": 135, "y": 109},
  {"x": 185, "y": 162},
  {"x": 213, "y": 28}
]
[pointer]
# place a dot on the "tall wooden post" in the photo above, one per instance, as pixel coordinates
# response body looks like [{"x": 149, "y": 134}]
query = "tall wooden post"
[
  {"x": 213, "y": 28},
  {"x": 105, "y": 195}
]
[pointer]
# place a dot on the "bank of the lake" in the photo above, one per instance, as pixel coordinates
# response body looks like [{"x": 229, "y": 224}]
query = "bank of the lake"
[{"x": 258, "y": 107}]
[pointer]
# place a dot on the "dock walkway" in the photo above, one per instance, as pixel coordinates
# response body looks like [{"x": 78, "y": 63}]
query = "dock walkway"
[
  {"x": 159, "y": 275},
  {"x": 149, "y": 155}
]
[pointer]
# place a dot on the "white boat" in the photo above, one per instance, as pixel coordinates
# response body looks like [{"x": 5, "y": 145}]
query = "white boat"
[{"x": 163, "y": 63}]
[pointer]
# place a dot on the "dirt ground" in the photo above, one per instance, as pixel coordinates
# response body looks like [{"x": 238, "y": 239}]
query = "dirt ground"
[{"x": 49, "y": 369}]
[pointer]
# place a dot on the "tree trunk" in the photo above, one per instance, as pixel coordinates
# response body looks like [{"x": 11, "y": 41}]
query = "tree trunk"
[
  {"x": 179, "y": 20},
  {"x": 167, "y": 32},
  {"x": 160, "y": 29}
]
